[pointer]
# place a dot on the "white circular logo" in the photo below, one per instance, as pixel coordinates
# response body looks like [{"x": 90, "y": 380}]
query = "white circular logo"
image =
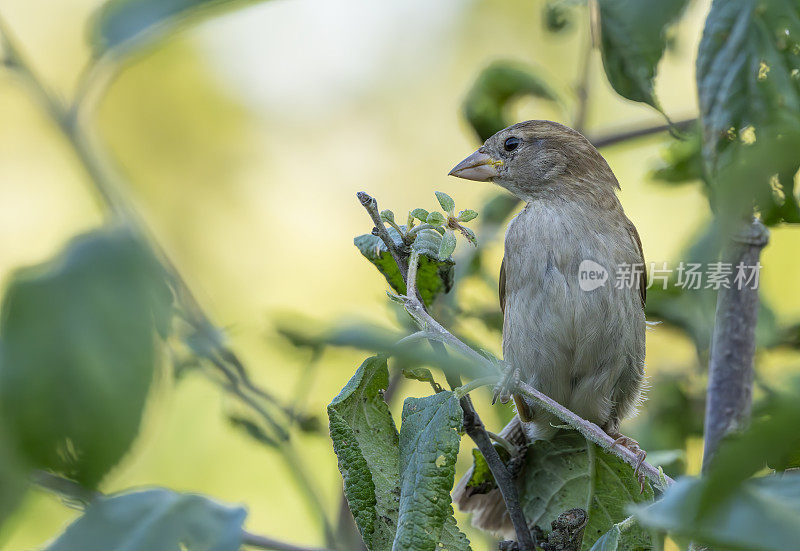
[{"x": 591, "y": 275}]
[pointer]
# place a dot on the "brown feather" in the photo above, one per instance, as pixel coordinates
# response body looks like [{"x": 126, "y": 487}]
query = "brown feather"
[
  {"x": 502, "y": 286},
  {"x": 642, "y": 280}
]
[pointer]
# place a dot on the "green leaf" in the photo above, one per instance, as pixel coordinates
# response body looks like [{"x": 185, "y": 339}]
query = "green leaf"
[
  {"x": 632, "y": 41},
  {"x": 13, "y": 477},
  {"x": 387, "y": 216},
  {"x": 623, "y": 536},
  {"x": 566, "y": 473},
  {"x": 429, "y": 441},
  {"x": 761, "y": 514},
  {"x": 80, "y": 336},
  {"x": 121, "y": 24},
  {"x": 435, "y": 218},
  {"x": 368, "y": 337},
  {"x": 447, "y": 203},
  {"x": 448, "y": 245},
  {"x": 154, "y": 519},
  {"x": 748, "y": 78},
  {"x": 420, "y": 214},
  {"x": 366, "y": 444},
  {"x": 495, "y": 88},
  {"x": 482, "y": 480},
  {"x": 423, "y": 375},
  {"x": 682, "y": 160},
  {"x": 467, "y": 215},
  {"x": 433, "y": 275}
]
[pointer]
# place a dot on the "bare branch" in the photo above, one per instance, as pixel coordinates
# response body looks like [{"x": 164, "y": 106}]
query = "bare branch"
[
  {"x": 589, "y": 430},
  {"x": 625, "y": 135},
  {"x": 264, "y": 542},
  {"x": 730, "y": 369},
  {"x": 371, "y": 205}
]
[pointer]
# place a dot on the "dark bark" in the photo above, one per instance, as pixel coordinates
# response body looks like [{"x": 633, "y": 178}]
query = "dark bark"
[{"x": 730, "y": 370}]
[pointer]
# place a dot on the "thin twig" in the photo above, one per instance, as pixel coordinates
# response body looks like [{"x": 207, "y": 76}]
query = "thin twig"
[
  {"x": 582, "y": 89},
  {"x": 589, "y": 430},
  {"x": 508, "y": 446},
  {"x": 264, "y": 542},
  {"x": 625, "y": 135},
  {"x": 371, "y": 206}
]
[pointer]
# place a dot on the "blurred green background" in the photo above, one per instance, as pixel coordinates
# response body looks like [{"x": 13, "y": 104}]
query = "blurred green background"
[{"x": 244, "y": 139}]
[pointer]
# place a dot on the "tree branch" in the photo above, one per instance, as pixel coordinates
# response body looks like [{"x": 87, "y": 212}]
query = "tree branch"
[
  {"x": 625, "y": 135},
  {"x": 730, "y": 369},
  {"x": 588, "y": 429},
  {"x": 264, "y": 542},
  {"x": 472, "y": 422}
]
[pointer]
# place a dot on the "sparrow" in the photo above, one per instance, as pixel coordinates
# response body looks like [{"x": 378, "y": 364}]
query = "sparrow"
[{"x": 570, "y": 329}]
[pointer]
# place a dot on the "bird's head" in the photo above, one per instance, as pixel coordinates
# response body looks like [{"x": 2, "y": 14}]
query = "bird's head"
[{"x": 536, "y": 158}]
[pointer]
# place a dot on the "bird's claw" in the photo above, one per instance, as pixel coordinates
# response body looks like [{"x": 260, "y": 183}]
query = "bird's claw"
[
  {"x": 633, "y": 446},
  {"x": 506, "y": 386}
]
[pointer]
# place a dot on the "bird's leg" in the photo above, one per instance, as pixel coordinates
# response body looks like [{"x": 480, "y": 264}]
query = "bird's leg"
[
  {"x": 508, "y": 383},
  {"x": 628, "y": 442},
  {"x": 504, "y": 391}
]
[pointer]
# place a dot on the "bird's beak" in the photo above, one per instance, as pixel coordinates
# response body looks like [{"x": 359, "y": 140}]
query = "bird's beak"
[{"x": 479, "y": 166}]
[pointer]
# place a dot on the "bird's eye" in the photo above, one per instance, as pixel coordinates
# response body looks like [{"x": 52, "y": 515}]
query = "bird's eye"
[{"x": 511, "y": 143}]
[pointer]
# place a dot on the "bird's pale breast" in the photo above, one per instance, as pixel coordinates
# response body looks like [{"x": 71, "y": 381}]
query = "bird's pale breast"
[{"x": 583, "y": 348}]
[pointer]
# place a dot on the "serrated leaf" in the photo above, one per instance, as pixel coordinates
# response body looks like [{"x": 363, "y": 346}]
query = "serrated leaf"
[
  {"x": 469, "y": 234},
  {"x": 446, "y": 202},
  {"x": 748, "y": 78},
  {"x": 447, "y": 246},
  {"x": 80, "y": 345},
  {"x": 365, "y": 440},
  {"x": 123, "y": 23},
  {"x": 467, "y": 215},
  {"x": 495, "y": 88},
  {"x": 632, "y": 41},
  {"x": 429, "y": 441},
  {"x": 759, "y": 514},
  {"x": 566, "y": 473},
  {"x": 433, "y": 275},
  {"x": 420, "y": 214},
  {"x": 154, "y": 519},
  {"x": 435, "y": 218}
]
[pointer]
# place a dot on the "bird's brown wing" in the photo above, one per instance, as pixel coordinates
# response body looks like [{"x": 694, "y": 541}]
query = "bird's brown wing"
[
  {"x": 502, "y": 286},
  {"x": 642, "y": 280},
  {"x": 523, "y": 409}
]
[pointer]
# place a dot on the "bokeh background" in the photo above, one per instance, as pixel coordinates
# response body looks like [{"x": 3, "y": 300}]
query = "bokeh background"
[{"x": 244, "y": 138}]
